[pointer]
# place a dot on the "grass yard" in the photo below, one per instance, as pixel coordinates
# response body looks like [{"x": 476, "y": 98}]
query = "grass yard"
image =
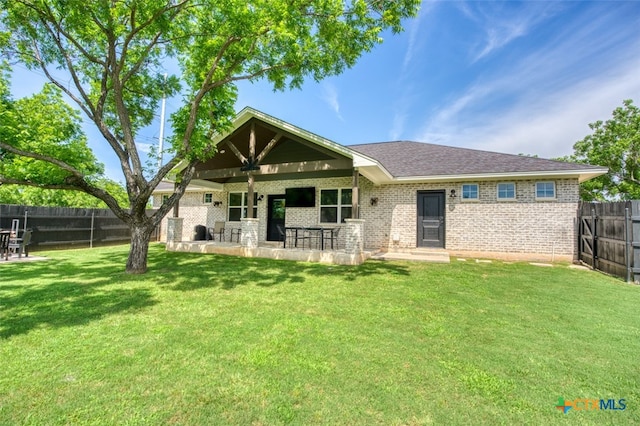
[{"x": 205, "y": 339}]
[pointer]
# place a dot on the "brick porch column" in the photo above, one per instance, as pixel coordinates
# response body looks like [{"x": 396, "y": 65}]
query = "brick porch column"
[
  {"x": 249, "y": 236},
  {"x": 174, "y": 229},
  {"x": 354, "y": 236}
]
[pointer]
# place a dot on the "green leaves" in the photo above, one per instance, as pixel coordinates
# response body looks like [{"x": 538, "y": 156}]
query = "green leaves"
[
  {"x": 614, "y": 144},
  {"x": 46, "y": 127}
]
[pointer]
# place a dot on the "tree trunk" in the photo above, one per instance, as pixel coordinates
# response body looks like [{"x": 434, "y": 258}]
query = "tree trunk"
[{"x": 140, "y": 236}]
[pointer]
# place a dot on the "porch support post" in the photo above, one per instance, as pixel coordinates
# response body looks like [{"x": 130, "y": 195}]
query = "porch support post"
[
  {"x": 355, "y": 206},
  {"x": 249, "y": 235},
  {"x": 250, "y": 177},
  {"x": 354, "y": 238},
  {"x": 174, "y": 229}
]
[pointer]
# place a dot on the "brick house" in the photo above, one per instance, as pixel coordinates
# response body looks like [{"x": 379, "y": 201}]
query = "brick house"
[{"x": 398, "y": 196}]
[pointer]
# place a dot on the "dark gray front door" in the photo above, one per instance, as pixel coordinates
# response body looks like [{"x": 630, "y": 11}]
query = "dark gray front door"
[
  {"x": 431, "y": 219},
  {"x": 275, "y": 217}
]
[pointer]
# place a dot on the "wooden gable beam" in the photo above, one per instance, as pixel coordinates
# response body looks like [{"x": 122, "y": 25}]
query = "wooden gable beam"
[
  {"x": 283, "y": 168},
  {"x": 236, "y": 151},
  {"x": 268, "y": 148}
]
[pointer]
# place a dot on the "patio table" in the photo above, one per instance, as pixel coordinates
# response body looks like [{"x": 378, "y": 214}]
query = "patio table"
[{"x": 320, "y": 232}]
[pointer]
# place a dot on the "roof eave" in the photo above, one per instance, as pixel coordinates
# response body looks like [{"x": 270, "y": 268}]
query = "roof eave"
[
  {"x": 248, "y": 113},
  {"x": 582, "y": 176},
  {"x": 196, "y": 185}
]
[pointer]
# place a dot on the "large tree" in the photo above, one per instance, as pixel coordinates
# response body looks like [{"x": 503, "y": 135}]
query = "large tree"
[
  {"x": 108, "y": 56},
  {"x": 615, "y": 144}
]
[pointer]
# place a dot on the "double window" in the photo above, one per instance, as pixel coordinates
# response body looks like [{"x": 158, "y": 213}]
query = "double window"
[
  {"x": 507, "y": 191},
  {"x": 238, "y": 202},
  {"x": 545, "y": 190},
  {"x": 335, "y": 205}
]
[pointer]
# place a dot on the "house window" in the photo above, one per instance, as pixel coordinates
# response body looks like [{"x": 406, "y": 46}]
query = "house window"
[
  {"x": 470, "y": 191},
  {"x": 208, "y": 198},
  {"x": 545, "y": 190},
  {"x": 238, "y": 206},
  {"x": 506, "y": 191},
  {"x": 165, "y": 197},
  {"x": 335, "y": 205}
]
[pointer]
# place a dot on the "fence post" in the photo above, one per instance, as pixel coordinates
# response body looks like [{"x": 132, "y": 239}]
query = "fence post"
[
  {"x": 92, "y": 222},
  {"x": 635, "y": 239},
  {"x": 627, "y": 242},
  {"x": 594, "y": 238}
]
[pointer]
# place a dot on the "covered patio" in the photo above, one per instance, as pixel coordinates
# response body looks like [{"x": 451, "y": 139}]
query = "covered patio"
[{"x": 263, "y": 186}]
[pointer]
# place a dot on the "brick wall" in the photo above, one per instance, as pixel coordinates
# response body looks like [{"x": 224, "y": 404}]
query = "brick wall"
[{"x": 524, "y": 225}]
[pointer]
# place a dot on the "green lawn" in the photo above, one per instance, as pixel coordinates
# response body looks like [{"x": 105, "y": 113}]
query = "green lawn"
[{"x": 205, "y": 339}]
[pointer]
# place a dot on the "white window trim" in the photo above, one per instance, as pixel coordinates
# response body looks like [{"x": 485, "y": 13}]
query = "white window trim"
[
  {"x": 555, "y": 191},
  {"x": 469, "y": 200},
  {"x": 515, "y": 191},
  {"x": 339, "y": 205},
  {"x": 242, "y": 205},
  {"x": 204, "y": 198}
]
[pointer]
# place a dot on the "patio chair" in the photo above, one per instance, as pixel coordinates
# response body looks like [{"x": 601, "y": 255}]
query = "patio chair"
[
  {"x": 282, "y": 233},
  {"x": 15, "y": 227},
  {"x": 236, "y": 232},
  {"x": 218, "y": 229},
  {"x": 309, "y": 236},
  {"x": 21, "y": 245},
  {"x": 332, "y": 236}
]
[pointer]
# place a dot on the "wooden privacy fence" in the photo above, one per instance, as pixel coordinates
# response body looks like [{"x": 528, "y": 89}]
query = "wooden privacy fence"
[
  {"x": 65, "y": 226},
  {"x": 609, "y": 238}
]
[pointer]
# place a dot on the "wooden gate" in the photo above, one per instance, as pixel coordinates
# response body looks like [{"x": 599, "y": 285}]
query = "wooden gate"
[{"x": 609, "y": 238}]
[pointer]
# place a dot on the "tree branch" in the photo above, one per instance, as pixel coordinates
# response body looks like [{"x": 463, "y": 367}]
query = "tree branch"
[
  {"x": 185, "y": 179},
  {"x": 9, "y": 181},
  {"x": 45, "y": 158},
  {"x": 71, "y": 39},
  {"x": 136, "y": 30},
  {"x": 70, "y": 67}
]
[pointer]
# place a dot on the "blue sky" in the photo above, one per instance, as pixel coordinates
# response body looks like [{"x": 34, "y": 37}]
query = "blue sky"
[{"x": 515, "y": 77}]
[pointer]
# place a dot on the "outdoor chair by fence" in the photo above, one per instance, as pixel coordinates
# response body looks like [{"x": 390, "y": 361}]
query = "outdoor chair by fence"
[
  {"x": 21, "y": 245},
  {"x": 4, "y": 244}
]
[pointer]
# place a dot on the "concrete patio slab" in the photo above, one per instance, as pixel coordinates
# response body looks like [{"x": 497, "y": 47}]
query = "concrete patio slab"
[
  {"x": 337, "y": 257},
  {"x": 418, "y": 255}
]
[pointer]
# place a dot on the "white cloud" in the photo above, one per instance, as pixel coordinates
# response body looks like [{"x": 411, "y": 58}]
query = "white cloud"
[
  {"x": 330, "y": 96},
  {"x": 547, "y": 124},
  {"x": 397, "y": 129},
  {"x": 500, "y": 24},
  {"x": 543, "y": 103},
  {"x": 145, "y": 147},
  {"x": 414, "y": 32},
  {"x": 550, "y": 126}
]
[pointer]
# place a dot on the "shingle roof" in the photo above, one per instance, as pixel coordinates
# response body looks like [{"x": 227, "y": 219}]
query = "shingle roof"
[{"x": 412, "y": 159}]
